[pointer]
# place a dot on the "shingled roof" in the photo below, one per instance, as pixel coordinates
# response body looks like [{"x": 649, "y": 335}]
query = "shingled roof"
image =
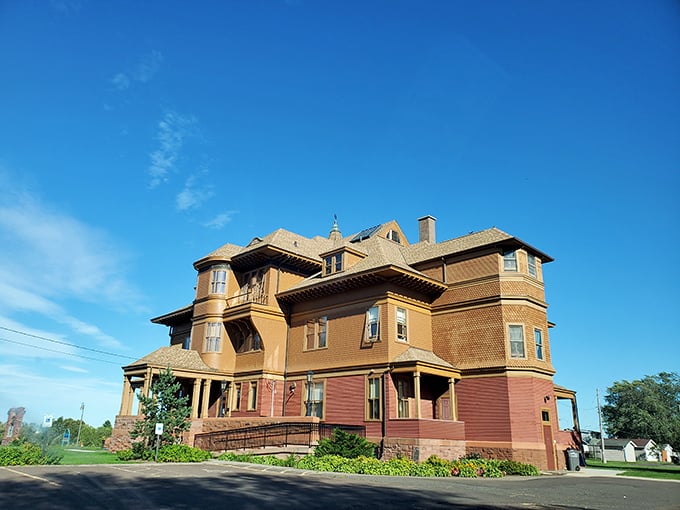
[
  {"x": 174, "y": 357},
  {"x": 415, "y": 354}
]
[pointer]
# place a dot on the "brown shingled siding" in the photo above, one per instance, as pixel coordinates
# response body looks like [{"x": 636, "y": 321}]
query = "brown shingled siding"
[{"x": 470, "y": 338}]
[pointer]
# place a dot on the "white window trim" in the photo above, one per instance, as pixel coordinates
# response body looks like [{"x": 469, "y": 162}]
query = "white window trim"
[
  {"x": 405, "y": 324},
  {"x": 506, "y": 258},
  {"x": 530, "y": 265},
  {"x": 510, "y": 341},
  {"x": 541, "y": 344},
  {"x": 368, "y": 336},
  {"x": 213, "y": 337}
]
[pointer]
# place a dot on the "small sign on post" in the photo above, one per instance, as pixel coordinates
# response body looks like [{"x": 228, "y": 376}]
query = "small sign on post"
[
  {"x": 159, "y": 433},
  {"x": 47, "y": 420}
]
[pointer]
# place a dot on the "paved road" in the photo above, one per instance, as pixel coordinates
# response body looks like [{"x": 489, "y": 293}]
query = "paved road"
[{"x": 216, "y": 484}]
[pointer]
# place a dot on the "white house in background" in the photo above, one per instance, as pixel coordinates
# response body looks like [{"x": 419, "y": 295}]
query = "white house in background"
[
  {"x": 633, "y": 450},
  {"x": 645, "y": 449},
  {"x": 621, "y": 450}
]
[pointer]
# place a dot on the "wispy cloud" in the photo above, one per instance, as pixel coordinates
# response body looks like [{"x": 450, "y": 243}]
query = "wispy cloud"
[
  {"x": 49, "y": 258},
  {"x": 194, "y": 194},
  {"x": 173, "y": 129},
  {"x": 220, "y": 220},
  {"x": 143, "y": 72}
]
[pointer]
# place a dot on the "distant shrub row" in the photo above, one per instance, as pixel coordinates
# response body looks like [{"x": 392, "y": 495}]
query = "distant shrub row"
[
  {"x": 167, "y": 453},
  {"x": 21, "y": 453},
  {"x": 432, "y": 467}
]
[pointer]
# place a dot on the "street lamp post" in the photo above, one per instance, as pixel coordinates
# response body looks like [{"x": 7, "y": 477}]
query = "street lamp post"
[
  {"x": 80, "y": 426},
  {"x": 310, "y": 379}
]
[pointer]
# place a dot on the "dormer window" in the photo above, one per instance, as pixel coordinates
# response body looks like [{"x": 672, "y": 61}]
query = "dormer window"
[
  {"x": 393, "y": 235},
  {"x": 218, "y": 279},
  {"x": 332, "y": 264}
]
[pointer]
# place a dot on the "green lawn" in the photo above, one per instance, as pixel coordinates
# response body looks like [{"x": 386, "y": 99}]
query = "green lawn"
[
  {"x": 658, "y": 470},
  {"x": 89, "y": 456}
]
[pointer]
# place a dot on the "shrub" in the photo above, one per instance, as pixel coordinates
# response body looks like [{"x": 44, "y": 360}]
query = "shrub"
[
  {"x": 345, "y": 445},
  {"x": 511, "y": 467},
  {"x": 182, "y": 453},
  {"x": 125, "y": 454},
  {"x": 20, "y": 453}
]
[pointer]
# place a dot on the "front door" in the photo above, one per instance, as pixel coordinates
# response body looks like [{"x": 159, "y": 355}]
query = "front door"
[{"x": 548, "y": 438}]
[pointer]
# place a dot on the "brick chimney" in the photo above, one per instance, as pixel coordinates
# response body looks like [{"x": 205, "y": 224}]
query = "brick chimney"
[{"x": 426, "y": 229}]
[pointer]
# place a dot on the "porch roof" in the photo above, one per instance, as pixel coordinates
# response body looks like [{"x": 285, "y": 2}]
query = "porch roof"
[
  {"x": 173, "y": 357},
  {"x": 414, "y": 356}
]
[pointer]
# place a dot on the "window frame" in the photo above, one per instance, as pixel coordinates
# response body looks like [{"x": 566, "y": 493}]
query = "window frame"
[
  {"x": 538, "y": 342},
  {"x": 373, "y": 402},
  {"x": 316, "y": 333},
  {"x": 403, "y": 335},
  {"x": 252, "y": 396},
  {"x": 532, "y": 269},
  {"x": 372, "y": 332},
  {"x": 403, "y": 399},
  {"x": 520, "y": 328},
  {"x": 213, "y": 339},
  {"x": 333, "y": 263},
  {"x": 317, "y": 405},
  {"x": 510, "y": 259},
  {"x": 218, "y": 285},
  {"x": 236, "y": 404}
]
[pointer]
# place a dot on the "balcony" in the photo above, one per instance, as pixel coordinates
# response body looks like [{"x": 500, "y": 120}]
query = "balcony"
[{"x": 252, "y": 296}]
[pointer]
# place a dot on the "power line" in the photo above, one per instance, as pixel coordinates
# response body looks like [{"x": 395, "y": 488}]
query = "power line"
[
  {"x": 64, "y": 343},
  {"x": 57, "y": 351}
]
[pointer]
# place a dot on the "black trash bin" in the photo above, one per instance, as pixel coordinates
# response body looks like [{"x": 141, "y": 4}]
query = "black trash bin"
[{"x": 573, "y": 460}]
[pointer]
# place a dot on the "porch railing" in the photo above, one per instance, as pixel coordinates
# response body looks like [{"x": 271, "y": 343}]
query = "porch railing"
[
  {"x": 276, "y": 434},
  {"x": 252, "y": 296}
]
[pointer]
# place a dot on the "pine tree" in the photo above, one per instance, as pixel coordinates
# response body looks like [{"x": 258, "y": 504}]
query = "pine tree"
[{"x": 166, "y": 406}]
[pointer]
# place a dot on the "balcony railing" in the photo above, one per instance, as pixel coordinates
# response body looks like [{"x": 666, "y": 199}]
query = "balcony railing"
[
  {"x": 277, "y": 434},
  {"x": 256, "y": 295}
]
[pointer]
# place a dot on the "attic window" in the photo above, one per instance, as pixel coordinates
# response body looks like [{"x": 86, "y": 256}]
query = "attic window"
[
  {"x": 393, "y": 235},
  {"x": 332, "y": 264}
]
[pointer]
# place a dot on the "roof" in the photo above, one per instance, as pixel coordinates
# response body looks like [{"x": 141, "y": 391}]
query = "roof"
[
  {"x": 172, "y": 317},
  {"x": 415, "y": 354},
  {"x": 616, "y": 443},
  {"x": 642, "y": 443},
  {"x": 422, "y": 251},
  {"x": 174, "y": 357}
]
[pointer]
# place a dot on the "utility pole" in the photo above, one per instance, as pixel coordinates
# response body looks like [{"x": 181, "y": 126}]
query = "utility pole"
[
  {"x": 80, "y": 426},
  {"x": 599, "y": 413}
]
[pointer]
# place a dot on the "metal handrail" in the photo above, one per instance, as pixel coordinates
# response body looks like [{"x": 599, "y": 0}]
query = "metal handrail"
[{"x": 275, "y": 434}]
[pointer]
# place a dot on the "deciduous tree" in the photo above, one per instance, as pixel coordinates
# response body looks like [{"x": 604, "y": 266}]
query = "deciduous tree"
[{"x": 648, "y": 408}]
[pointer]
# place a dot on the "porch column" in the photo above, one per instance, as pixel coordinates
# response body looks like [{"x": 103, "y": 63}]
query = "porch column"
[
  {"x": 452, "y": 399},
  {"x": 147, "y": 382},
  {"x": 195, "y": 398},
  {"x": 230, "y": 397},
  {"x": 206, "y": 398},
  {"x": 125, "y": 398},
  {"x": 416, "y": 390}
]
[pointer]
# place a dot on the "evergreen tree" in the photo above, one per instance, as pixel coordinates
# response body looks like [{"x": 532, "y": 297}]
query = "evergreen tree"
[
  {"x": 648, "y": 409},
  {"x": 164, "y": 405}
]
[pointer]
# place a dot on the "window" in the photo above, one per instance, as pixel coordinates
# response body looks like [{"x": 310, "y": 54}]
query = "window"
[
  {"x": 213, "y": 334},
  {"x": 403, "y": 391},
  {"x": 236, "y": 406},
  {"x": 373, "y": 324},
  {"x": 315, "y": 333},
  {"x": 401, "y": 324},
  {"x": 516, "y": 341},
  {"x": 333, "y": 264},
  {"x": 393, "y": 235},
  {"x": 531, "y": 260},
  {"x": 538, "y": 339},
  {"x": 252, "y": 396},
  {"x": 186, "y": 344},
  {"x": 218, "y": 280},
  {"x": 374, "y": 400},
  {"x": 314, "y": 396},
  {"x": 510, "y": 261},
  {"x": 244, "y": 337}
]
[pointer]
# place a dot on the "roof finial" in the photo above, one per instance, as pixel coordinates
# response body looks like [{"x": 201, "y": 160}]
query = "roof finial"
[{"x": 335, "y": 231}]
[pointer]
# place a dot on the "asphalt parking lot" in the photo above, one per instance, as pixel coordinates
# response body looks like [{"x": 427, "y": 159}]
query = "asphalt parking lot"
[{"x": 218, "y": 484}]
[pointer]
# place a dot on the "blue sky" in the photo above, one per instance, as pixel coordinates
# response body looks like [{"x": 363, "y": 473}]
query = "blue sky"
[{"x": 136, "y": 137}]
